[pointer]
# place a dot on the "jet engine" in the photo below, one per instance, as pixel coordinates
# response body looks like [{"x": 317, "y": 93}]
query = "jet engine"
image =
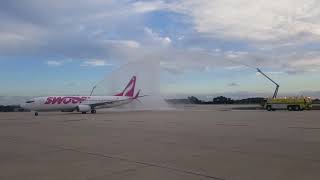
[{"x": 83, "y": 108}]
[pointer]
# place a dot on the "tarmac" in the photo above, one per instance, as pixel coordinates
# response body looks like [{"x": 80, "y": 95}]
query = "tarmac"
[{"x": 188, "y": 143}]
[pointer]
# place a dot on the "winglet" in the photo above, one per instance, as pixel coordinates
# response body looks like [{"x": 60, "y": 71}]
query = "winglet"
[{"x": 137, "y": 95}]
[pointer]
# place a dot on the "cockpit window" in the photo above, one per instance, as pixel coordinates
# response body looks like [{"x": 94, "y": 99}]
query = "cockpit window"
[{"x": 29, "y": 101}]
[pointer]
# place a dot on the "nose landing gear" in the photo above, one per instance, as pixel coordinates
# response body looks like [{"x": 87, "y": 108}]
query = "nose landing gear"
[{"x": 36, "y": 114}]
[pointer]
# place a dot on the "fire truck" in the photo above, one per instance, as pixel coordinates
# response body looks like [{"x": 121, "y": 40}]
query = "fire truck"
[{"x": 290, "y": 103}]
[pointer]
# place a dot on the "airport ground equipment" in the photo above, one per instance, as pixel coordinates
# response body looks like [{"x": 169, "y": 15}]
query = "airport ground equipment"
[{"x": 290, "y": 103}]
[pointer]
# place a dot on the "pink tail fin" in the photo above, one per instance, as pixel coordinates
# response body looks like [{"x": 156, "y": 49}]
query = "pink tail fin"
[{"x": 129, "y": 90}]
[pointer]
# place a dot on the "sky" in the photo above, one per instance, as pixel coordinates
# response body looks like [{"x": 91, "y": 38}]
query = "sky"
[{"x": 204, "y": 47}]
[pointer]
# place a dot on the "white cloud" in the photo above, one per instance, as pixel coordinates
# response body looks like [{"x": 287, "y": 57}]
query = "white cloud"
[
  {"x": 304, "y": 64},
  {"x": 123, "y": 43},
  {"x": 315, "y": 62},
  {"x": 95, "y": 63},
  {"x": 145, "y": 6},
  {"x": 231, "y": 68},
  {"x": 107, "y": 33},
  {"x": 262, "y": 20},
  {"x": 7, "y": 37},
  {"x": 55, "y": 63},
  {"x": 156, "y": 37},
  {"x": 172, "y": 68}
]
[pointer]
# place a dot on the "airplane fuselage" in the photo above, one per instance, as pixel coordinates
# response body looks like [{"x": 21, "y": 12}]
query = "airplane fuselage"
[{"x": 71, "y": 103}]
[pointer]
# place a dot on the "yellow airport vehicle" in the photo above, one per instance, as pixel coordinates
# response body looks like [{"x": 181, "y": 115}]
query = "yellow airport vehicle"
[{"x": 290, "y": 103}]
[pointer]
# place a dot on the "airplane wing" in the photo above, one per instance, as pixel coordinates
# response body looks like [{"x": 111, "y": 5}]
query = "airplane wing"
[
  {"x": 115, "y": 102},
  {"x": 93, "y": 105}
]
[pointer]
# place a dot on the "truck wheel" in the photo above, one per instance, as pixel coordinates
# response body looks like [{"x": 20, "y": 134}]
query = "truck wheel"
[
  {"x": 297, "y": 108},
  {"x": 269, "y": 108},
  {"x": 289, "y": 108}
]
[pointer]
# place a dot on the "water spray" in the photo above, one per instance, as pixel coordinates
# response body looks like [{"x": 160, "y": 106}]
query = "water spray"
[
  {"x": 93, "y": 90},
  {"x": 148, "y": 80},
  {"x": 259, "y": 71}
]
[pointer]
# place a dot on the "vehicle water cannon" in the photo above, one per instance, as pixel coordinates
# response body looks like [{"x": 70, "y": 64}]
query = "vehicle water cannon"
[{"x": 277, "y": 85}]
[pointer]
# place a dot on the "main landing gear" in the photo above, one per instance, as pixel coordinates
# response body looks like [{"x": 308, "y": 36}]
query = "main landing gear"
[{"x": 93, "y": 111}]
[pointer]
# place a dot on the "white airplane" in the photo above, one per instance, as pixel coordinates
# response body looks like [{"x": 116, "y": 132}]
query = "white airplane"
[{"x": 82, "y": 104}]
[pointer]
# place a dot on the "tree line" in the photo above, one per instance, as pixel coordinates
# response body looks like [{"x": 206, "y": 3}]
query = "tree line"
[
  {"x": 218, "y": 100},
  {"x": 11, "y": 108},
  {"x": 224, "y": 100}
]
